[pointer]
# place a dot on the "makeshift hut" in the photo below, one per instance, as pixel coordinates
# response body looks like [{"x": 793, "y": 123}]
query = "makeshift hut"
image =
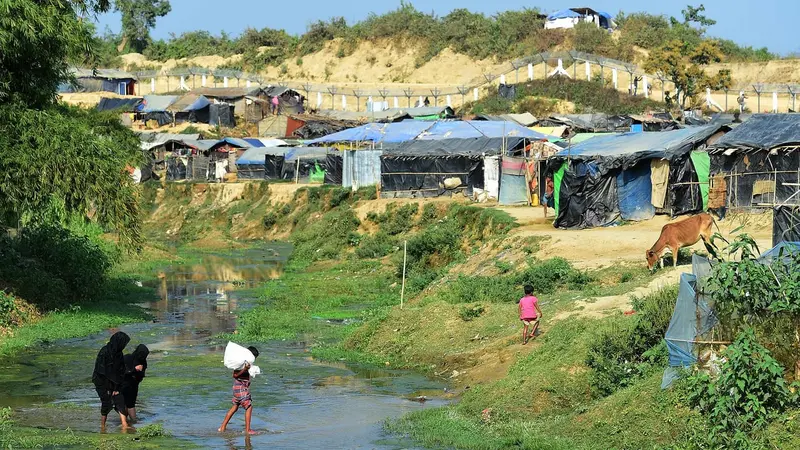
[
  {"x": 631, "y": 176},
  {"x": 424, "y": 113},
  {"x": 236, "y": 96},
  {"x": 757, "y": 164},
  {"x": 192, "y": 108},
  {"x": 156, "y": 107},
  {"x": 101, "y": 80},
  {"x": 250, "y": 165},
  {"x": 299, "y": 164},
  {"x": 123, "y": 105},
  {"x": 608, "y": 123},
  {"x": 568, "y": 18},
  {"x": 289, "y": 101}
]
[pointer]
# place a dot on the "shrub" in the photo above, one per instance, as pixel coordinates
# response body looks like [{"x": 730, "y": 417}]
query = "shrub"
[
  {"x": 377, "y": 246},
  {"x": 624, "y": 353},
  {"x": 545, "y": 277},
  {"x": 152, "y": 430},
  {"x": 270, "y": 219},
  {"x": 327, "y": 237},
  {"x": 398, "y": 220},
  {"x": 750, "y": 392},
  {"x": 468, "y": 313}
]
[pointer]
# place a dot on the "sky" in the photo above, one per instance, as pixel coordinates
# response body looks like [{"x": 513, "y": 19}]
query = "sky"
[{"x": 771, "y": 26}]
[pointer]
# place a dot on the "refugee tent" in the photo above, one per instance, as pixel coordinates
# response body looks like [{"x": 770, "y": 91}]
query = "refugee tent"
[
  {"x": 392, "y": 114},
  {"x": 568, "y": 18},
  {"x": 757, "y": 164},
  {"x": 629, "y": 175},
  {"x": 431, "y": 168},
  {"x": 99, "y": 80},
  {"x": 190, "y": 108},
  {"x": 388, "y": 133},
  {"x": 236, "y": 96},
  {"x": 155, "y": 107},
  {"x": 608, "y": 123},
  {"x": 221, "y": 114},
  {"x": 127, "y": 105},
  {"x": 303, "y": 164},
  {"x": 251, "y": 164},
  {"x": 289, "y": 100}
]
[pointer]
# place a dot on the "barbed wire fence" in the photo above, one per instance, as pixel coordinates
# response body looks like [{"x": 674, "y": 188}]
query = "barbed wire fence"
[{"x": 765, "y": 97}]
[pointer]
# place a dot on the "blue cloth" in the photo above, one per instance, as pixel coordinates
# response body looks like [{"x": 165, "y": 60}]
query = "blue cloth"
[
  {"x": 634, "y": 189},
  {"x": 564, "y": 14},
  {"x": 513, "y": 190}
]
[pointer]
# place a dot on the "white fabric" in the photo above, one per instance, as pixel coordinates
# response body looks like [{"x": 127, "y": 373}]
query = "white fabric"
[
  {"x": 137, "y": 175},
  {"x": 219, "y": 169},
  {"x": 491, "y": 176},
  {"x": 254, "y": 370},
  {"x": 237, "y": 356}
]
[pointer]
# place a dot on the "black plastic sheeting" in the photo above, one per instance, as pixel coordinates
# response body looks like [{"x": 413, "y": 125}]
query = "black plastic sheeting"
[
  {"x": 250, "y": 172},
  {"x": 202, "y": 115},
  {"x": 587, "y": 198},
  {"x": 786, "y": 224},
  {"x": 763, "y": 131},
  {"x": 119, "y": 104},
  {"x": 334, "y": 168},
  {"x": 590, "y": 123},
  {"x": 454, "y": 147},
  {"x": 426, "y": 175},
  {"x": 757, "y": 166},
  {"x": 273, "y": 166},
  {"x": 314, "y": 129},
  {"x": 221, "y": 114},
  {"x": 508, "y": 91},
  {"x": 176, "y": 169},
  {"x": 162, "y": 117},
  {"x": 683, "y": 198}
]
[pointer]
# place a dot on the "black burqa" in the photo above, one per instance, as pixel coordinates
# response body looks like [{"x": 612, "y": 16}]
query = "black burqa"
[
  {"x": 130, "y": 386},
  {"x": 109, "y": 372}
]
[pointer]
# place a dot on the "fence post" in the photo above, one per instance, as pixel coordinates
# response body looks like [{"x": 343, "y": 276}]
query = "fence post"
[{"x": 405, "y": 259}]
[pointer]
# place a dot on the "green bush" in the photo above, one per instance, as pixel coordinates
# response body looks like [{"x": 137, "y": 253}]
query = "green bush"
[
  {"x": 397, "y": 220},
  {"x": 468, "y": 313},
  {"x": 152, "y": 430},
  {"x": 377, "y": 246},
  {"x": 546, "y": 276},
  {"x": 327, "y": 237},
  {"x": 270, "y": 219},
  {"x": 626, "y": 352},
  {"x": 749, "y": 393}
]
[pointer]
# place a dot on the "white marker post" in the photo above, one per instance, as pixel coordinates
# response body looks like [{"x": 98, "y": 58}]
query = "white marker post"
[
  {"x": 319, "y": 100},
  {"x": 396, "y": 103},
  {"x": 449, "y": 102},
  {"x": 403, "y": 288},
  {"x": 475, "y": 94},
  {"x": 152, "y": 85},
  {"x": 502, "y": 79},
  {"x": 588, "y": 71},
  {"x": 344, "y": 102},
  {"x": 645, "y": 84},
  {"x": 224, "y": 81},
  {"x": 614, "y": 78},
  {"x": 774, "y": 102},
  {"x": 530, "y": 71},
  {"x": 203, "y": 80}
]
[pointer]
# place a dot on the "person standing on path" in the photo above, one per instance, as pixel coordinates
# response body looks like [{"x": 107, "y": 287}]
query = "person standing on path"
[
  {"x": 135, "y": 367},
  {"x": 529, "y": 313},
  {"x": 275, "y": 104},
  {"x": 108, "y": 376}
]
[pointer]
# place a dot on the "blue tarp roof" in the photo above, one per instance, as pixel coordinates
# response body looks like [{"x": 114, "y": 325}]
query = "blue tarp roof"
[
  {"x": 564, "y": 14},
  {"x": 604, "y": 14},
  {"x": 664, "y": 144},
  {"x": 157, "y": 103},
  {"x": 408, "y": 130}
]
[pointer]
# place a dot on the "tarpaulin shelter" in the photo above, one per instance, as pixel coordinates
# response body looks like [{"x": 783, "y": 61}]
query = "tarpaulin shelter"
[
  {"x": 221, "y": 114},
  {"x": 625, "y": 175},
  {"x": 392, "y": 114},
  {"x": 289, "y": 100},
  {"x": 191, "y": 108},
  {"x": 127, "y": 105},
  {"x": 236, "y": 96},
  {"x": 100, "y": 80},
  {"x": 378, "y": 133},
  {"x": 303, "y": 164},
  {"x": 757, "y": 164},
  {"x": 608, "y": 123},
  {"x": 525, "y": 119},
  {"x": 568, "y": 18},
  {"x": 155, "y": 107},
  {"x": 430, "y": 168},
  {"x": 250, "y": 165}
]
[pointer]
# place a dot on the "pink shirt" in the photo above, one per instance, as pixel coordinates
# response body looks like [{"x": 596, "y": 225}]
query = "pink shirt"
[{"x": 528, "y": 307}]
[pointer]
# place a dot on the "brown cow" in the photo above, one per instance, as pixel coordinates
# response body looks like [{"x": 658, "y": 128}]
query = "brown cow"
[{"x": 676, "y": 235}]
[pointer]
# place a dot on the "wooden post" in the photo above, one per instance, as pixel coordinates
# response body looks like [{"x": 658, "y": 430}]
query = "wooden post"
[
  {"x": 297, "y": 171},
  {"x": 403, "y": 288}
]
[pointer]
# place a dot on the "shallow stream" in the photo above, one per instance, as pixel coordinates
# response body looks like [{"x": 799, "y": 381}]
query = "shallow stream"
[{"x": 299, "y": 402}]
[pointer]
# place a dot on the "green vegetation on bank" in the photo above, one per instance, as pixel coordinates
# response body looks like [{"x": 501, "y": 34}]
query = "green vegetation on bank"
[
  {"x": 506, "y": 35},
  {"x": 540, "y": 98}
]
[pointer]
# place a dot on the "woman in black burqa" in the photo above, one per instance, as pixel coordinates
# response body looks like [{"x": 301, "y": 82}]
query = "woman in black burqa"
[
  {"x": 135, "y": 366},
  {"x": 108, "y": 376}
]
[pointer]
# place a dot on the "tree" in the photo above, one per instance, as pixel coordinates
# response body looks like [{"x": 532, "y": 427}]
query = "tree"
[
  {"x": 37, "y": 38},
  {"x": 49, "y": 153},
  {"x": 138, "y": 17},
  {"x": 683, "y": 66}
]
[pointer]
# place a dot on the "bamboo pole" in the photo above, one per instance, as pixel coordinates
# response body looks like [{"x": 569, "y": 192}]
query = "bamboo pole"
[
  {"x": 403, "y": 288},
  {"x": 297, "y": 171}
]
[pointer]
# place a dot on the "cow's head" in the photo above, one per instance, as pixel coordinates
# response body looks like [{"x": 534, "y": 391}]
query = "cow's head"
[{"x": 652, "y": 259}]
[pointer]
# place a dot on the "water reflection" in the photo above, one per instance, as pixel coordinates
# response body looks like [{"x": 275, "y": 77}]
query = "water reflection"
[{"x": 201, "y": 299}]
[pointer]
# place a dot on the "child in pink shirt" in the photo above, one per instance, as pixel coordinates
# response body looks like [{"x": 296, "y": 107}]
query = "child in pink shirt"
[{"x": 529, "y": 313}]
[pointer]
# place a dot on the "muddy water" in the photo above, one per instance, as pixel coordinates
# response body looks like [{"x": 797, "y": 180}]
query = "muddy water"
[{"x": 299, "y": 402}]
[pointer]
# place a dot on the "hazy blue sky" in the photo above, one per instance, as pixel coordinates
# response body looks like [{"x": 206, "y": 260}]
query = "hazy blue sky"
[{"x": 764, "y": 23}]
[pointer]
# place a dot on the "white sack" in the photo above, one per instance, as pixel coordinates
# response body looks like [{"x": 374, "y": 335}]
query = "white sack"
[{"x": 236, "y": 356}]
